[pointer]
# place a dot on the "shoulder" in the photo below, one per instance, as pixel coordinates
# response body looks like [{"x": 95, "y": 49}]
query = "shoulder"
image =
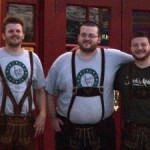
[
  {"x": 125, "y": 67},
  {"x": 114, "y": 51},
  {"x": 63, "y": 58},
  {"x": 34, "y": 55},
  {"x": 2, "y": 52}
]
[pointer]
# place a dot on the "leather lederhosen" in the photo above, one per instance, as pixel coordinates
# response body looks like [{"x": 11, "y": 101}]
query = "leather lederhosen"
[
  {"x": 88, "y": 91},
  {"x": 18, "y": 128},
  {"x": 99, "y": 136}
]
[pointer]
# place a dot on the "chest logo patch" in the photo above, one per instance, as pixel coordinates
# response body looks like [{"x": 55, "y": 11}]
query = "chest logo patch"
[
  {"x": 16, "y": 72},
  {"x": 87, "y": 78}
]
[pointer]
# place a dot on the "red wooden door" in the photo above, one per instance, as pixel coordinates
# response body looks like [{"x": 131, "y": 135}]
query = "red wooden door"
[{"x": 56, "y": 33}]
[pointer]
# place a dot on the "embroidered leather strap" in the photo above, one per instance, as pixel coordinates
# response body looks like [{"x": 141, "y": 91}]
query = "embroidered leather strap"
[
  {"x": 81, "y": 91},
  {"x": 27, "y": 93}
]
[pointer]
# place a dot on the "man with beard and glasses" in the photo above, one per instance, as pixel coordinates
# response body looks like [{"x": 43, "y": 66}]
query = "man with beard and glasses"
[
  {"x": 19, "y": 76},
  {"x": 133, "y": 82},
  {"x": 82, "y": 81}
]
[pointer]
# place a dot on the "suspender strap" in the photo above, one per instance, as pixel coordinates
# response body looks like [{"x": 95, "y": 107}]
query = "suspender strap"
[
  {"x": 4, "y": 93},
  {"x": 74, "y": 84},
  {"x": 79, "y": 91},
  {"x": 102, "y": 82},
  {"x": 27, "y": 93},
  {"x": 7, "y": 92}
]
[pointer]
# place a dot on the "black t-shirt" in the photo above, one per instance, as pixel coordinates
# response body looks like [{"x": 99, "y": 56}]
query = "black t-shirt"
[{"x": 136, "y": 96}]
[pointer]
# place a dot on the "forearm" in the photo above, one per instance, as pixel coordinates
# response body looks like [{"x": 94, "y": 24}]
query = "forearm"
[
  {"x": 41, "y": 100},
  {"x": 55, "y": 122},
  {"x": 40, "y": 119},
  {"x": 51, "y": 106}
]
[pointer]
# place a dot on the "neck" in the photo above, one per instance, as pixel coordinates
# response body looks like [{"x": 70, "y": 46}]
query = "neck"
[
  {"x": 14, "y": 50},
  {"x": 86, "y": 56},
  {"x": 143, "y": 64}
]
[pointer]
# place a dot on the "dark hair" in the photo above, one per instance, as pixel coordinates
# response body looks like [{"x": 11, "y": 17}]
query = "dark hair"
[
  {"x": 140, "y": 34},
  {"x": 90, "y": 24},
  {"x": 13, "y": 20}
]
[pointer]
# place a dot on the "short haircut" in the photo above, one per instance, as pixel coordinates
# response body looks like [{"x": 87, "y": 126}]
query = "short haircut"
[
  {"x": 140, "y": 34},
  {"x": 12, "y": 20},
  {"x": 90, "y": 24}
]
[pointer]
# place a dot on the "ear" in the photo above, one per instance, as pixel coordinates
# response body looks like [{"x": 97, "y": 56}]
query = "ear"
[{"x": 99, "y": 39}]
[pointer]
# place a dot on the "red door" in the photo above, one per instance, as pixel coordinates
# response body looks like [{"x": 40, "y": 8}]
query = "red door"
[{"x": 63, "y": 16}]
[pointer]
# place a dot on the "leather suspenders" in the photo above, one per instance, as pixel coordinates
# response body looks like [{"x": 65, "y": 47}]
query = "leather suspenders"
[
  {"x": 88, "y": 91},
  {"x": 7, "y": 92}
]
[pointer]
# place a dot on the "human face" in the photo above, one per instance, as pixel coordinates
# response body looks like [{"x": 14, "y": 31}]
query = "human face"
[
  {"x": 140, "y": 48},
  {"x": 13, "y": 35},
  {"x": 86, "y": 42}
]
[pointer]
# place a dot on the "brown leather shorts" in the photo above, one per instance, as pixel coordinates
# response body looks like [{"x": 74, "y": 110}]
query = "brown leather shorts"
[
  {"x": 135, "y": 137},
  {"x": 100, "y": 136},
  {"x": 18, "y": 128}
]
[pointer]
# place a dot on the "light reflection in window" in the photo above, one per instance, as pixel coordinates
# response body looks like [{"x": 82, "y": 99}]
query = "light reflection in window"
[
  {"x": 141, "y": 21},
  {"x": 76, "y": 15},
  {"x": 26, "y": 12}
]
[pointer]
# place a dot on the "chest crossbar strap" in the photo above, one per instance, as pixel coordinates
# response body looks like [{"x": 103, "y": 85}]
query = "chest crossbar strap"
[
  {"x": 87, "y": 91},
  {"x": 7, "y": 92}
]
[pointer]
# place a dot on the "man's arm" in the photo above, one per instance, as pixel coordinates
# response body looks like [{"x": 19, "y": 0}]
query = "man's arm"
[
  {"x": 55, "y": 122},
  {"x": 41, "y": 102}
]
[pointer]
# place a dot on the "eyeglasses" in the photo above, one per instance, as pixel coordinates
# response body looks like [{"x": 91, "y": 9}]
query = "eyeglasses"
[{"x": 91, "y": 36}]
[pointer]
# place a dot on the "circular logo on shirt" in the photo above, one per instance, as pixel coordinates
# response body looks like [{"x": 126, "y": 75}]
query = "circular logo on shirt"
[
  {"x": 87, "y": 78},
  {"x": 16, "y": 72}
]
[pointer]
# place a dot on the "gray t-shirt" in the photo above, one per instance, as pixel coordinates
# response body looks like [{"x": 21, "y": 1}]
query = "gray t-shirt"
[
  {"x": 88, "y": 72},
  {"x": 16, "y": 69}
]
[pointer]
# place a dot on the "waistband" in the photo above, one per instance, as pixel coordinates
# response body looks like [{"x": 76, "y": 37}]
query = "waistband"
[{"x": 98, "y": 124}]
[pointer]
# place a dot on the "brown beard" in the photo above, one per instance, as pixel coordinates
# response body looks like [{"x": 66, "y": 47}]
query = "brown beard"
[{"x": 88, "y": 50}]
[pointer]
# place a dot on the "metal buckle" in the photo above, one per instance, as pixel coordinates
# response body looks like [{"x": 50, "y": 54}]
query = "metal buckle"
[
  {"x": 101, "y": 89},
  {"x": 74, "y": 90}
]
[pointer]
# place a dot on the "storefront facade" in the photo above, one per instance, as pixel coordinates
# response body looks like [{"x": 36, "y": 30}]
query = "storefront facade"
[{"x": 51, "y": 28}]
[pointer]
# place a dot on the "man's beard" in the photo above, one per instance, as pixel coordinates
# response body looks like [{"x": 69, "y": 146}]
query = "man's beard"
[
  {"x": 88, "y": 50},
  {"x": 13, "y": 44},
  {"x": 142, "y": 58}
]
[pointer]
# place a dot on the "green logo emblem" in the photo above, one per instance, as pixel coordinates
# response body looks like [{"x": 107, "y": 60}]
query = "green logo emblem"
[
  {"x": 16, "y": 72},
  {"x": 87, "y": 78}
]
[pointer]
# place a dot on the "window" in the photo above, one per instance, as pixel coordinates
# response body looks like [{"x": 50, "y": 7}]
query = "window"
[
  {"x": 26, "y": 12},
  {"x": 141, "y": 21},
  {"x": 77, "y": 14}
]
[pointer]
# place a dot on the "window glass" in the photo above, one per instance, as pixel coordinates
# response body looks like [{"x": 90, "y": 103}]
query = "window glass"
[
  {"x": 101, "y": 17},
  {"x": 141, "y": 21},
  {"x": 75, "y": 15},
  {"x": 26, "y": 12}
]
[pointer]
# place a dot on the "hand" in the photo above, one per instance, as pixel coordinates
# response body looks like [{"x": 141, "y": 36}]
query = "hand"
[
  {"x": 39, "y": 124},
  {"x": 56, "y": 122},
  {"x": 74, "y": 49}
]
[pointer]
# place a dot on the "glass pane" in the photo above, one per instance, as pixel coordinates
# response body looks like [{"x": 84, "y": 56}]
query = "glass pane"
[
  {"x": 141, "y": 21},
  {"x": 101, "y": 16},
  {"x": 75, "y": 15},
  {"x": 26, "y": 12}
]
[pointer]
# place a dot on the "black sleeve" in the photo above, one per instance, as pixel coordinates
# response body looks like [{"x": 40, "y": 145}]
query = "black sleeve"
[{"x": 117, "y": 81}]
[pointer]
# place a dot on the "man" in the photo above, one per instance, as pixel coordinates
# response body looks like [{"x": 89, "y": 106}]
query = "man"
[
  {"x": 133, "y": 82},
  {"x": 20, "y": 73},
  {"x": 83, "y": 82}
]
